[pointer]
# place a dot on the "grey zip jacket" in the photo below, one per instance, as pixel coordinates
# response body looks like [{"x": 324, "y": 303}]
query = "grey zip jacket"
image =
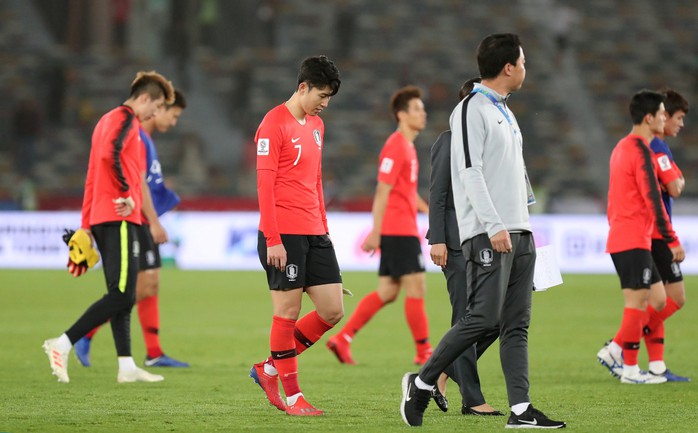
[{"x": 487, "y": 167}]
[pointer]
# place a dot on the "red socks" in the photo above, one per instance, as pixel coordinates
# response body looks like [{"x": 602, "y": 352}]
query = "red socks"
[
  {"x": 149, "y": 315},
  {"x": 658, "y": 317},
  {"x": 308, "y": 330},
  {"x": 283, "y": 352},
  {"x": 630, "y": 333},
  {"x": 92, "y": 333},
  {"x": 366, "y": 309},
  {"x": 418, "y": 323}
]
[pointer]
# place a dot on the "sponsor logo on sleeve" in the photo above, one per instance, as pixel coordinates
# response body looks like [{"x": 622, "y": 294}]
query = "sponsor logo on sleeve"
[
  {"x": 664, "y": 163},
  {"x": 386, "y": 165},
  {"x": 263, "y": 146}
]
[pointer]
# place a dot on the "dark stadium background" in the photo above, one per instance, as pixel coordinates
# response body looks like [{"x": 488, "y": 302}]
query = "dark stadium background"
[{"x": 66, "y": 62}]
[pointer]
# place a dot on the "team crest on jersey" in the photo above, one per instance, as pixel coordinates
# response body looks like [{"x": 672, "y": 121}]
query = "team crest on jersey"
[
  {"x": 486, "y": 256},
  {"x": 291, "y": 272},
  {"x": 664, "y": 163},
  {"x": 386, "y": 165},
  {"x": 316, "y": 136},
  {"x": 263, "y": 146},
  {"x": 646, "y": 276}
]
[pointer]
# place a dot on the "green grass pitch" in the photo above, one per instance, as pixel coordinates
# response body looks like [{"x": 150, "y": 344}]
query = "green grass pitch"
[{"x": 219, "y": 322}]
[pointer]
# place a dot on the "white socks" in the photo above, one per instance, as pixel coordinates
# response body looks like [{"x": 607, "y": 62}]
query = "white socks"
[
  {"x": 657, "y": 367},
  {"x": 520, "y": 408},
  {"x": 63, "y": 343},
  {"x": 421, "y": 385},
  {"x": 126, "y": 363}
]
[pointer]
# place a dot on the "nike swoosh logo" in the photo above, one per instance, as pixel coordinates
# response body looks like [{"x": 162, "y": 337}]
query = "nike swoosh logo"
[
  {"x": 500, "y": 121},
  {"x": 534, "y": 422},
  {"x": 285, "y": 354},
  {"x": 408, "y": 397},
  {"x": 293, "y": 140}
]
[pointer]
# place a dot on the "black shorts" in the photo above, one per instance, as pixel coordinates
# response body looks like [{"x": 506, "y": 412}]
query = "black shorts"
[
  {"x": 669, "y": 270},
  {"x": 636, "y": 269},
  {"x": 400, "y": 255},
  {"x": 310, "y": 261},
  {"x": 150, "y": 251}
]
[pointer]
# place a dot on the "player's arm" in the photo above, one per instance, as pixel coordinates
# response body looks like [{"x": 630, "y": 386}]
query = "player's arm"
[
  {"x": 439, "y": 186},
  {"x": 321, "y": 198},
  {"x": 647, "y": 184},
  {"x": 380, "y": 202},
  {"x": 669, "y": 175},
  {"x": 156, "y": 229},
  {"x": 115, "y": 137},
  {"x": 268, "y": 141},
  {"x": 88, "y": 195}
]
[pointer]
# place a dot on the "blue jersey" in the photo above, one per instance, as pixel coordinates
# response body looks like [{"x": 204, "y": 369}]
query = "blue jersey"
[
  {"x": 163, "y": 198},
  {"x": 658, "y": 146}
]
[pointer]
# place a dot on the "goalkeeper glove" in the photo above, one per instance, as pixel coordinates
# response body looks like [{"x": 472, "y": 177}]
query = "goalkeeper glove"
[{"x": 81, "y": 253}]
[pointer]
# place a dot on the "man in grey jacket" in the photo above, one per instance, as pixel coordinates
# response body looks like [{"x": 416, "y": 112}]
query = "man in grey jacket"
[
  {"x": 446, "y": 252},
  {"x": 491, "y": 196}
]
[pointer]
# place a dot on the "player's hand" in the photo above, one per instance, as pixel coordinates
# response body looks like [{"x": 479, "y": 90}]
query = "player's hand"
[
  {"x": 276, "y": 256},
  {"x": 372, "y": 242},
  {"x": 501, "y": 242},
  {"x": 439, "y": 254},
  {"x": 76, "y": 269},
  {"x": 158, "y": 232},
  {"x": 679, "y": 253},
  {"x": 124, "y": 206}
]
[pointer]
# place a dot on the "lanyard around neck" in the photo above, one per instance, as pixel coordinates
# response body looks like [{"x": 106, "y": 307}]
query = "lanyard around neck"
[{"x": 498, "y": 105}]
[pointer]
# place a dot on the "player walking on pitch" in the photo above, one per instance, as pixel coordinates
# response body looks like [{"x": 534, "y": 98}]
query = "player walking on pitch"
[
  {"x": 294, "y": 245},
  {"x": 395, "y": 232},
  {"x": 111, "y": 211}
]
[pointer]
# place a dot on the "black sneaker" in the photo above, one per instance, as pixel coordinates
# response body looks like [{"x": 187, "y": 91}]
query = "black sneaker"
[
  {"x": 532, "y": 418},
  {"x": 414, "y": 401},
  {"x": 439, "y": 399}
]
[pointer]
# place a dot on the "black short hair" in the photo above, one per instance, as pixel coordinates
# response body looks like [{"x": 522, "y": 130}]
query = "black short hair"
[
  {"x": 319, "y": 71},
  {"x": 467, "y": 87},
  {"x": 643, "y": 103},
  {"x": 400, "y": 101},
  {"x": 495, "y": 52},
  {"x": 674, "y": 101},
  {"x": 179, "y": 100}
]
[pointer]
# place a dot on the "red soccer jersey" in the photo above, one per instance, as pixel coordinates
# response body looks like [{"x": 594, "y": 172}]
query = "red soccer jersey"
[
  {"x": 289, "y": 175},
  {"x": 667, "y": 172},
  {"x": 634, "y": 201},
  {"x": 117, "y": 161},
  {"x": 398, "y": 167}
]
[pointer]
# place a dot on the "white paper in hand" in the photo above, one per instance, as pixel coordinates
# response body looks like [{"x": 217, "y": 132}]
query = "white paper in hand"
[{"x": 547, "y": 272}]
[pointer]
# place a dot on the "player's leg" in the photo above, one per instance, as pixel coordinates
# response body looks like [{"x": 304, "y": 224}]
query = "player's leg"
[
  {"x": 415, "y": 313},
  {"x": 637, "y": 273},
  {"x": 340, "y": 343},
  {"x": 387, "y": 291},
  {"x": 324, "y": 287},
  {"x": 673, "y": 299},
  {"x": 286, "y": 289},
  {"x": 148, "y": 301}
]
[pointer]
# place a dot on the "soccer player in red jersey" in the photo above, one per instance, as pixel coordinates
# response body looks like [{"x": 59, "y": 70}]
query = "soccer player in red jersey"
[
  {"x": 663, "y": 305},
  {"x": 635, "y": 210},
  {"x": 395, "y": 206},
  {"x": 294, "y": 245},
  {"x": 111, "y": 211},
  {"x": 664, "y": 300},
  {"x": 157, "y": 199}
]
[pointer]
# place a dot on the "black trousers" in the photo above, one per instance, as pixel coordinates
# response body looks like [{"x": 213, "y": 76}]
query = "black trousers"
[{"x": 119, "y": 248}]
